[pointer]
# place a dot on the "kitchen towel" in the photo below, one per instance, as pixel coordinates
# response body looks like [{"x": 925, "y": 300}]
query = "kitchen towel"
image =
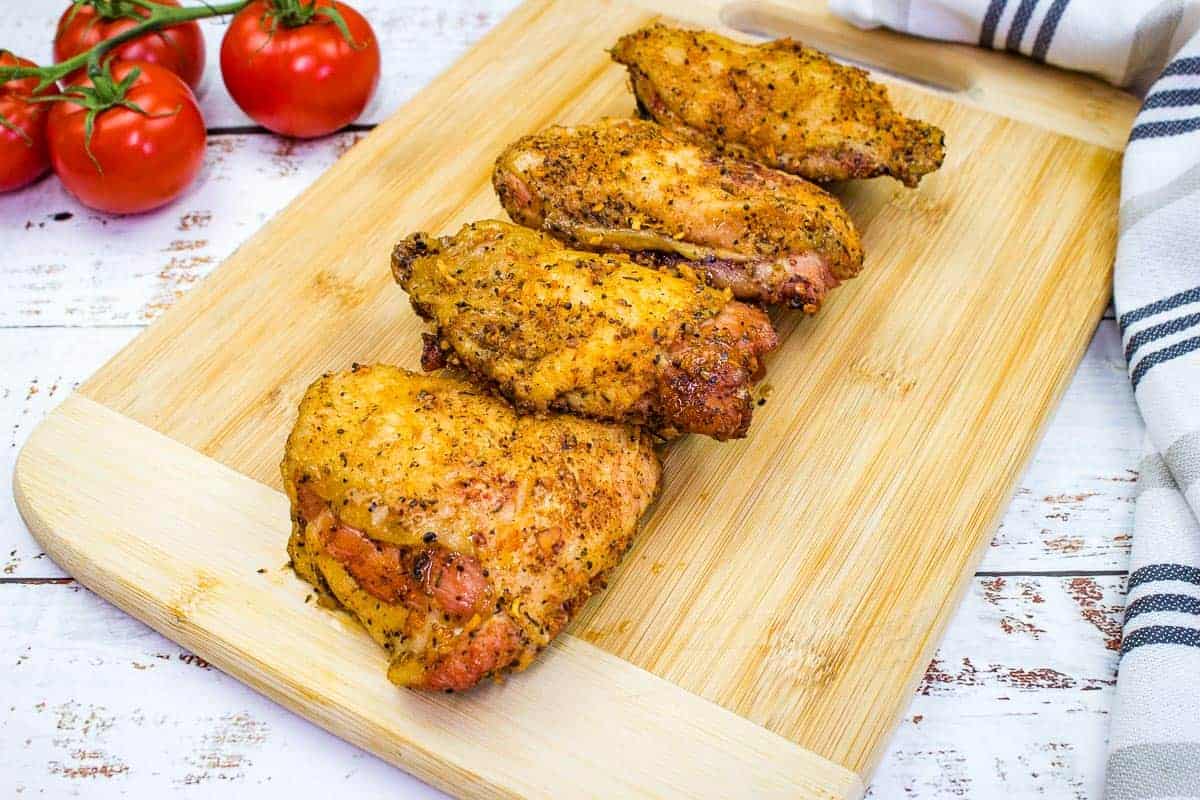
[{"x": 1151, "y": 47}]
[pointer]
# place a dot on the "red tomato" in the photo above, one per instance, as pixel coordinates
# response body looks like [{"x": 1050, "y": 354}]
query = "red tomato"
[
  {"x": 23, "y": 157},
  {"x": 300, "y": 81},
  {"x": 179, "y": 48},
  {"x": 141, "y": 160}
]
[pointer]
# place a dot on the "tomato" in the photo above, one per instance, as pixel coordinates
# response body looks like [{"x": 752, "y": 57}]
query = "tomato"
[
  {"x": 179, "y": 48},
  {"x": 305, "y": 80},
  {"x": 23, "y": 157},
  {"x": 141, "y": 161}
]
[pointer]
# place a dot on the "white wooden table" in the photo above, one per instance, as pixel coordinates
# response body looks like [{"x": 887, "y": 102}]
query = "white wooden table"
[{"x": 1014, "y": 705}]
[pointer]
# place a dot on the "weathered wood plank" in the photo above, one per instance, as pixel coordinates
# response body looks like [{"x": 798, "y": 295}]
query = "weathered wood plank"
[
  {"x": 94, "y": 706},
  {"x": 64, "y": 267},
  {"x": 41, "y": 367},
  {"x": 1073, "y": 509},
  {"x": 418, "y": 39},
  {"x": 1015, "y": 703},
  {"x": 70, "y": 266},
  {"x": 1070, "y": 513}
]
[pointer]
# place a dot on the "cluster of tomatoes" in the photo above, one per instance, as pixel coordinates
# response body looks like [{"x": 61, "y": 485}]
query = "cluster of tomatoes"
[{"x": 129, "y": 137}]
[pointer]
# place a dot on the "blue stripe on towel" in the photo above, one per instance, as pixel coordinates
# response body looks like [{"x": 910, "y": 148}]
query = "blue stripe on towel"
[
  {"x": 1151, "y": 603},
  {"x": 1157, "y": 307},
  {"x": 987, "y": 31},
  {"x": 1172, "y": 98},
  {"x": 1016, "y": 31},
  {"x": 1182, "y": 66},
  {"x": 1161, "y": 634},
  {"x": 1156, "y": 332},
  {"x": 1163, "y": 572},
  {"x": 1045, "y": 36},
  {"x": 1152, "y": 360},
  {"x": 1167, "y": 127}
]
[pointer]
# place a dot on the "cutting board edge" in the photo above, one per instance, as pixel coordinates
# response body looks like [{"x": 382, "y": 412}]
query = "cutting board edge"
[
  {"x": 634, "y": 698},
  {"x": 184, "y": 308},
  {"x": 953, "y": 599}
]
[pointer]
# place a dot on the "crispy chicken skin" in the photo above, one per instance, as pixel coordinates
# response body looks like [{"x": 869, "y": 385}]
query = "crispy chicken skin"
[
  {"x": 593, "y": 334},
  {"x": 628, "y": 185},
  {"x": 778, "y": 103},
  {"x": 460, "y": 534}
]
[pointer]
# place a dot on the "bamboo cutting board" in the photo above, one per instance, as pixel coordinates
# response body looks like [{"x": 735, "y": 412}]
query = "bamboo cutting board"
[{"x": 767, "y": 629}]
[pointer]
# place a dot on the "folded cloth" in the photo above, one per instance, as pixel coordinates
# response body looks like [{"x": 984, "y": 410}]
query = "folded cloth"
[
  {"x": 1126, "y": 43},
  {"x": 1153, "y": 48}
]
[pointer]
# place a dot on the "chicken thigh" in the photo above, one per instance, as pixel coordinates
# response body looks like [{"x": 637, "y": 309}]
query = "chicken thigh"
[
  {"x": 779, "y": 103},
  {"x": 594, "y": 334},
  {"x": 460, "y": 534},
  {"x": 628, "y": 185}
]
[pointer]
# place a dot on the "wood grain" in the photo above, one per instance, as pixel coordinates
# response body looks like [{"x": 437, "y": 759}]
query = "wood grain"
[
  {"x": 797, "y": 598},
  {"x": 196, "y": 575},
  {"x": 71, "y": 273},
  {"x": 807, "y": 606}
]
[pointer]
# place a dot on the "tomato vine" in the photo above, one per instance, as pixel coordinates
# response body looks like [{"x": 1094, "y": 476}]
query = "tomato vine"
[{"x": 158, "y": 16}]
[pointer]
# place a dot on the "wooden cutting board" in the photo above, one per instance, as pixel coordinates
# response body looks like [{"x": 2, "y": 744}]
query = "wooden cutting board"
[{"x": 767, "y": 629}]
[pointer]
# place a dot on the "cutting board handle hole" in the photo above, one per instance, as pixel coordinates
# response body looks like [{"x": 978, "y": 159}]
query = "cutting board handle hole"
[{"x": 910, "y": 59}]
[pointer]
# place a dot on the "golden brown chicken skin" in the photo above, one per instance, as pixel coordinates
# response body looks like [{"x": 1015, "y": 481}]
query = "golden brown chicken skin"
[
  {"x": 779, "y": 103},
  {"x": 632, "y": 186},
  {"x": 462, "y": 535},
  {"x": 593, "y": 334}
]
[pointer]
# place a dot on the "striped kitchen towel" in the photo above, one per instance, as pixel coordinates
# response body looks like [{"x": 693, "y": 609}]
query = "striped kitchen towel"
[{"x": 1153, "y": 48}]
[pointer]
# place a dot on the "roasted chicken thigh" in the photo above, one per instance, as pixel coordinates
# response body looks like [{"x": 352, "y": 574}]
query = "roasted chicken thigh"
[
  {"x": 632, "y": 186},
  {"x": 779, "y": 103},
  {"x": 594, "y": 334},
  {"x": 460, "y": 534}
]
